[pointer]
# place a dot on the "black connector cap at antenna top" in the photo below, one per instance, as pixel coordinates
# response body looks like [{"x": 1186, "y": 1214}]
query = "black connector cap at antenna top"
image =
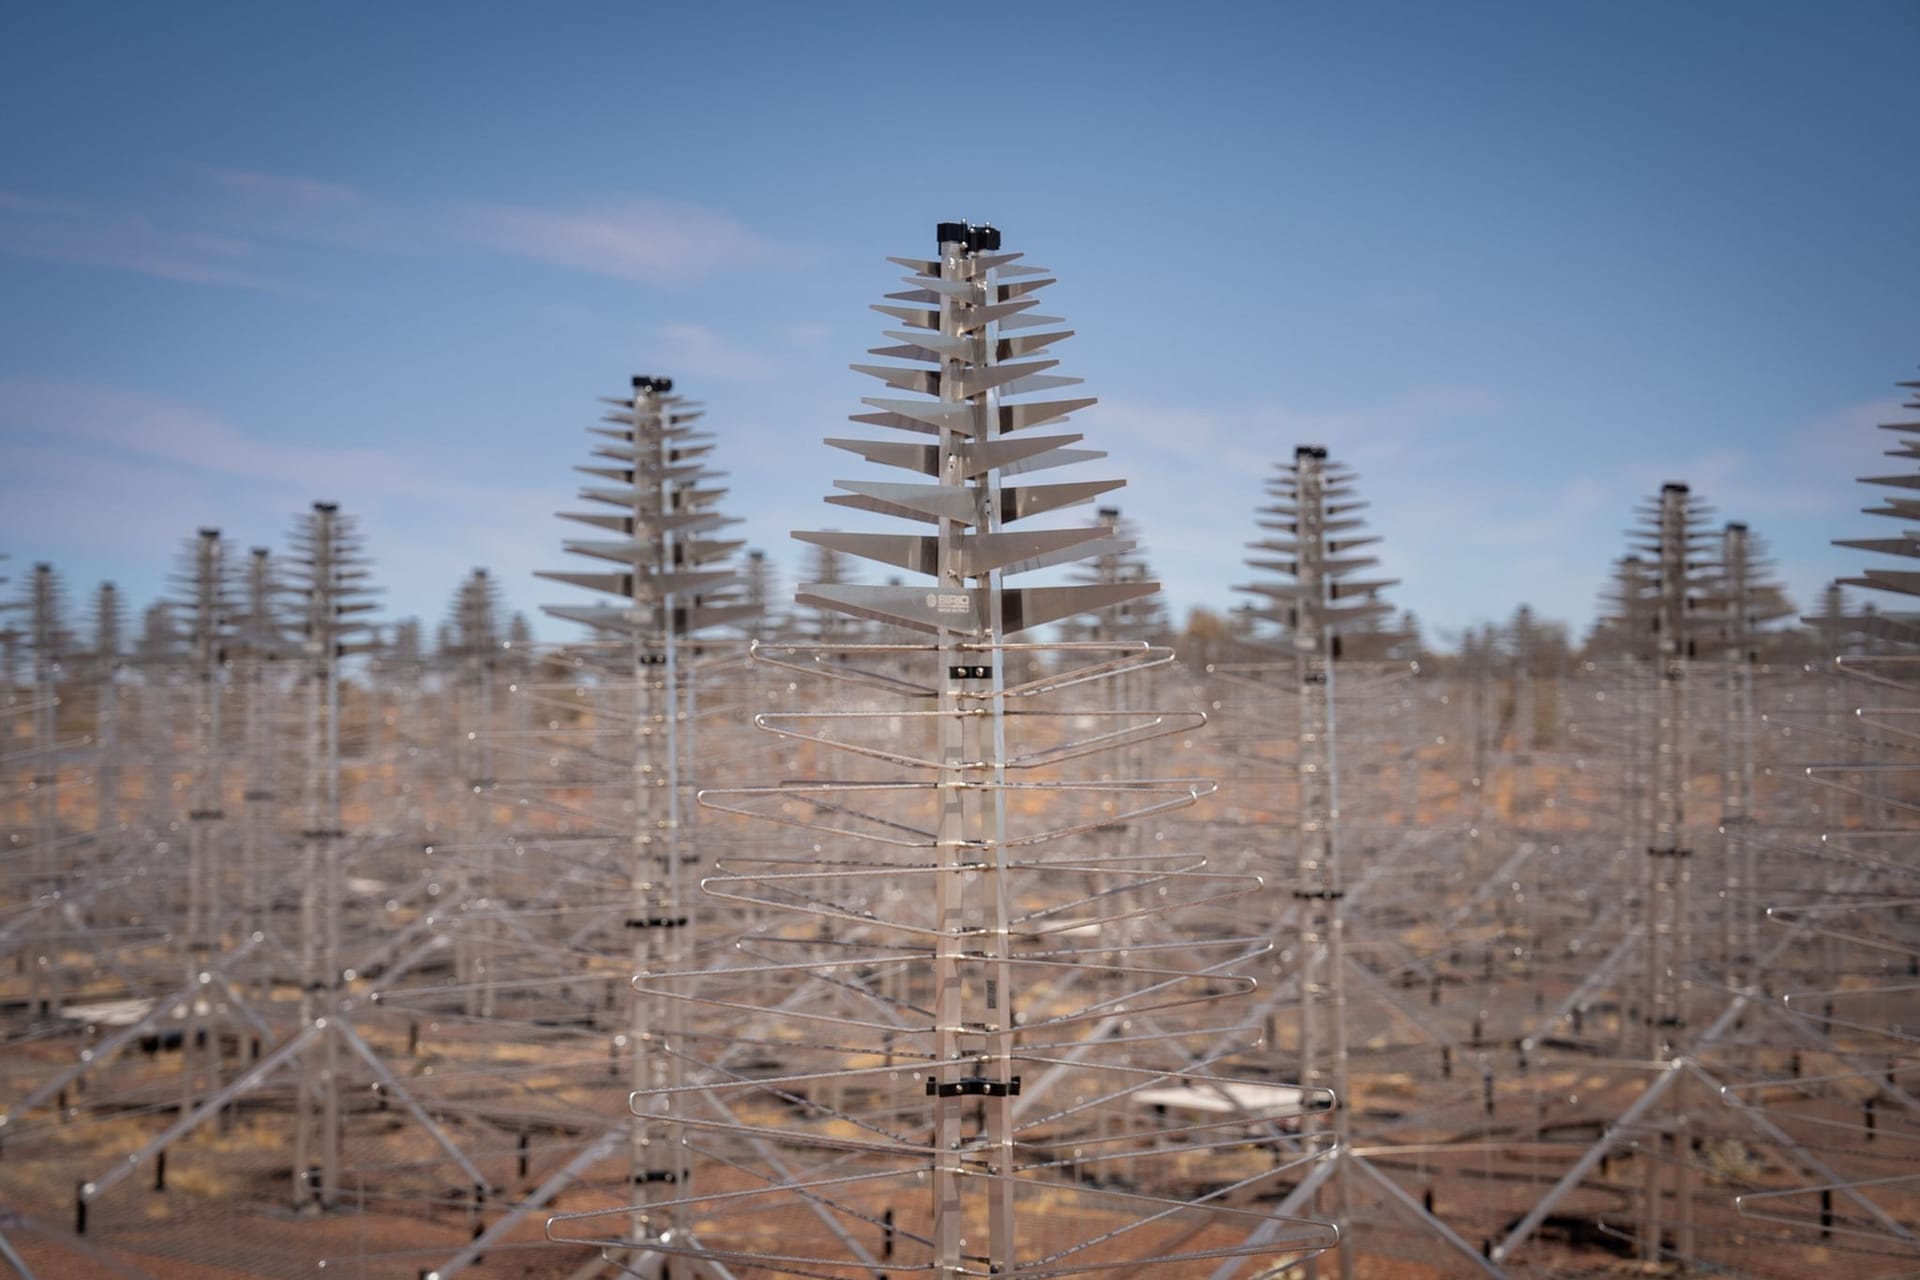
[
  {"x": 1736, "y": 526},
  {"x": 983, "y": 238},
  {"x": 326, "y": 506},
  {"x": 1675, "y": 486},
  {"x": 1311, "y": 451},
  {"x": 209, "y": 533},
  {"x": 646, "y": 382}
]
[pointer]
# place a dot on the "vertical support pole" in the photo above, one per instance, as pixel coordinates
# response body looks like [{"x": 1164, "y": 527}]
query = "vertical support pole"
[
  {"x": 478, "y": 647},
  {"x": 482, "y": 802},
  {"x": 106, "y": 770},
  {"x": 972, "y": 1001},
  {"x": 953, "y": 838},
  {"x": 1319, "y": 890},
  {"x": 650, "y": 870},
  {"x": 997, "y": 1016},
  {"x": 1683, "y": 1178},
  {"x": 1524, "y": 717},
  {"x": 42, "y": 962},
  {"x": 306, "y": 1126},
  {"x": 327, "y": 590},
  {"x": 658, "y": 915},
  {"x": 207, "y": 577},
  {"x": 1668, "y": 942},
  {"x": 259, "y": 793},
  {"x": 677, "y": 938},
  {"x": 1738, "y": 924},
  {"x": 1410, "y": 760},
  {"x": 332, "y": 888}
]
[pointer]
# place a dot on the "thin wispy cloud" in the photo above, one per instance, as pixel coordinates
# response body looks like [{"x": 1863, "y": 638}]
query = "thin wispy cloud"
[
  {"x": 172, "y": 467},
  {"x": 81, "y": 499},
  {"x": 1809, "y": 471},
  {"x": 294, "y": 208},
  {"x": 92, "y": 236},
  {"x": 1446, "y": 519},
  {"x": 1197, "y": 474},
  {"x": 237, "y": 227},
  {"x": 697, "y": 351},
  {"x": 190, "y": 439},
  {"x": 287, "y": 190},
  {"x": 1258, "y": 435},
  {"x": 183, "y": 435},
  {"x": 652, "y": 241},
  {"x": 1849, "y": 438}
]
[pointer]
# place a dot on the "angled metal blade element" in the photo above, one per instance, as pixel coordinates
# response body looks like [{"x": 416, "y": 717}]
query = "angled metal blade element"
[
  {"x": 1029, "y": 607},
  {"x": 942, "y": 502},
  {"x": 916, "y": 608}
]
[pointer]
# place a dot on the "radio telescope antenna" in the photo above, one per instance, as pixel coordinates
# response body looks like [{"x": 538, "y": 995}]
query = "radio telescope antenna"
[{"x": 930, "y": 956}]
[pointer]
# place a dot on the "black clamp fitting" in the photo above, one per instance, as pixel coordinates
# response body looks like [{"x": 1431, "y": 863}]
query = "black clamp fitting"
[
  {"x": 973, "y": 1087},
  {"x": 980, "y": 239}
]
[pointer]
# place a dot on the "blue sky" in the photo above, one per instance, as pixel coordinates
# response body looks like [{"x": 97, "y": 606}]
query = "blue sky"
[{"x": 1518, "y": 263}]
